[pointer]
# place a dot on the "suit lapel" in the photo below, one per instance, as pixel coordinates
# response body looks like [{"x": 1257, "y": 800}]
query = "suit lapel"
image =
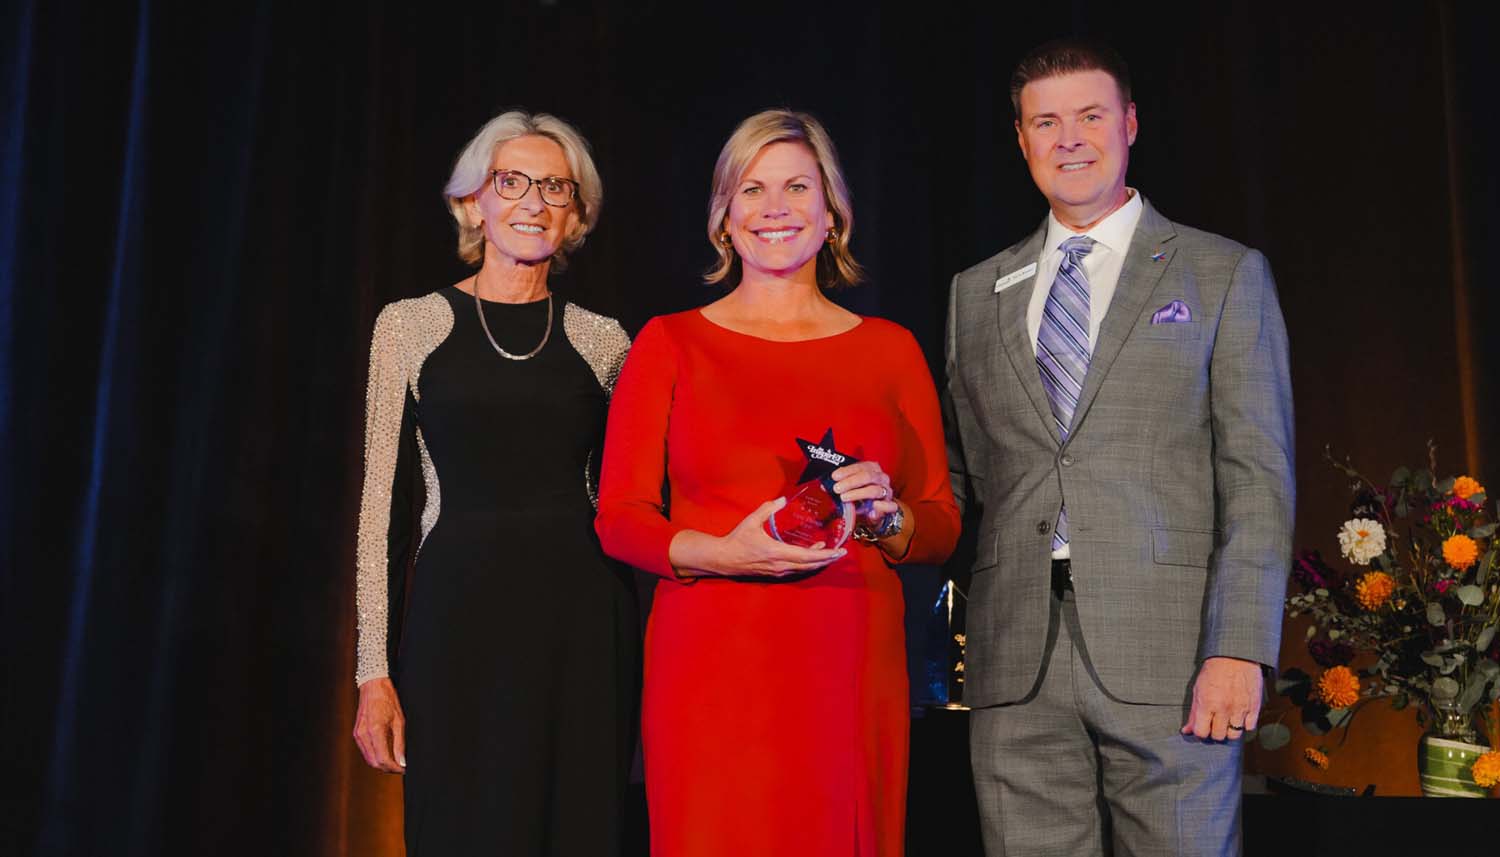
[
  {"x": 1010, "y": 311},
  {"x": 1148, "y": 258}
]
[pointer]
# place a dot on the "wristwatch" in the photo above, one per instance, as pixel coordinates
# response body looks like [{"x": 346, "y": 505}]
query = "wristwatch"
[{"x": 890, "y": 525}]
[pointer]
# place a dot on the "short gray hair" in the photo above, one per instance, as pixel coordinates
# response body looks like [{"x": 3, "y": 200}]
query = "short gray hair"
[{"x": 472, "y": 170}]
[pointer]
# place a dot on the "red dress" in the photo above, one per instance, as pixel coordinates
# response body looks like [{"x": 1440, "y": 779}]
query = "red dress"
[{"x": 775, "y": 714}]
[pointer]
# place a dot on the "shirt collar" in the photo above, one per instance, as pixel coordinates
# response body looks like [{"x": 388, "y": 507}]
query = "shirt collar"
[{"x": 1114, "y": 231}]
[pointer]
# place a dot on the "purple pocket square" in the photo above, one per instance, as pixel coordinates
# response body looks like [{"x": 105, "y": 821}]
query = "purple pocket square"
[{"x": 1172, "y": 313}]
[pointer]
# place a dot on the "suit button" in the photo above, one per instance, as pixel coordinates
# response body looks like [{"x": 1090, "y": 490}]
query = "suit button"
[
  {"x": 1067, "y": 461},
  {"x": 1043, "y": 527}
]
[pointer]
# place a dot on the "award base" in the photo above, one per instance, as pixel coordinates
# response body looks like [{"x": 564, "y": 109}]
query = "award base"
[{"x": 812, "y": 515}]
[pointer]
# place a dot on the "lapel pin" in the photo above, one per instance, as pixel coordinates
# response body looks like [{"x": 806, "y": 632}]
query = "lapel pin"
[{"x": 1158, "y": 256}]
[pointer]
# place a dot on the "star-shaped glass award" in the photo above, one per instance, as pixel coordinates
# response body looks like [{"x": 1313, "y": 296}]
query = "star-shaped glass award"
[{"x": 814, "y": 512}]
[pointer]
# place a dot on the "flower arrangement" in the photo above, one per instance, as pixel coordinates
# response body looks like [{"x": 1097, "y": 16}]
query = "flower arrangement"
[{"x": 1409, "y": 617}]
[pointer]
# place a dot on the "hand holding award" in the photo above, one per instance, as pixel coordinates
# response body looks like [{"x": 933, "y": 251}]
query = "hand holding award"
[
  {"x": 836, "y": 496},
  {"x": 814, "y": 512}
]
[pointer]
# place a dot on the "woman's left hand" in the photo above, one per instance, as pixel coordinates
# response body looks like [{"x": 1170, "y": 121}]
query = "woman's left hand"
[{"x": 869, "y": 488}]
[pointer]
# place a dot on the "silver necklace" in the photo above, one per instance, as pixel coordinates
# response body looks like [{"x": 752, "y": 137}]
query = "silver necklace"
[{"x": 546, "y": 334}]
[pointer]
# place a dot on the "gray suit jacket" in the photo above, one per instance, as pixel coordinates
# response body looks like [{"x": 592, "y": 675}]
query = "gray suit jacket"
[{"x": 1178, "y": 470}]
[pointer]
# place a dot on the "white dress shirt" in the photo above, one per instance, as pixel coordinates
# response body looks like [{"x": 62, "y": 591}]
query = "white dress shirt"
[{"x": 1102, "y": 267}]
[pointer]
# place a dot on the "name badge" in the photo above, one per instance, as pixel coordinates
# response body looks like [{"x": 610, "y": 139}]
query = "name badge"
[{"x": 1014, "y": 277}]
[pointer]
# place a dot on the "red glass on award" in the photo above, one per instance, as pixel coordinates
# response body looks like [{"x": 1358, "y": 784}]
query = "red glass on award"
[{"x": 814, "y": 512}]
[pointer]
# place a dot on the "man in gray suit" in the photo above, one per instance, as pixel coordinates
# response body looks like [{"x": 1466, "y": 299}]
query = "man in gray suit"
[{"x": 1120, "y": 407}]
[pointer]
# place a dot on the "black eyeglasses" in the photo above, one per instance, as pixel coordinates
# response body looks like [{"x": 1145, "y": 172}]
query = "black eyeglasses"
[{"x": 556, "y": 190}]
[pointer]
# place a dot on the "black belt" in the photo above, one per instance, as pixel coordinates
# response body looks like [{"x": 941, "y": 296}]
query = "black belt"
[{"x": 1062, "y": 576}]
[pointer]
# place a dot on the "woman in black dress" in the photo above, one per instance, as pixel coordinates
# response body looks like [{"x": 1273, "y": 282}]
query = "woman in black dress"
[{"x": 512, "y": 723}]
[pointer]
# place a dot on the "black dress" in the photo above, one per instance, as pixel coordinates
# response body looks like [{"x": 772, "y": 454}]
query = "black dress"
[{"x": 513, "y": 639}]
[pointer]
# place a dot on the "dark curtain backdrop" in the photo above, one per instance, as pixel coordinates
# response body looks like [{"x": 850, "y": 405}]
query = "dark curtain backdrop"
[{"x": 202, "y": 211}]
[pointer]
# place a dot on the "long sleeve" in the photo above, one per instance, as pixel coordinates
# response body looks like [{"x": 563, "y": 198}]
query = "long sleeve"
[
  {"x": 632, "y": 522},
  {"x": 923, "y": 483},
  {"x": 405, "y": 333},
  {"x": 384, "y": 510},
  {"x": 960, "y": 431},
  {"x": 1253, "y": 470}
]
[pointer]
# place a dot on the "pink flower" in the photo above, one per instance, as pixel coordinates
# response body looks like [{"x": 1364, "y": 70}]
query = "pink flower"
[{"x": 1442, "y": 586}]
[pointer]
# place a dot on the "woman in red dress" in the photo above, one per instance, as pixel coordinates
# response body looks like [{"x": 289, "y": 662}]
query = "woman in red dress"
[{"x": 775, "y": 711}]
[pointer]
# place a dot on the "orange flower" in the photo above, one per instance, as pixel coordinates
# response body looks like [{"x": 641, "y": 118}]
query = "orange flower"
[
  {"x": 1339, "y": 687},
  {"x": 1460, "y": 551},
  {"x": 1374, "y": 589},
  {"x": 1487, "y": 769},
  {"x": 1319, "y": 759},
  {"x": 1464, "y": 488}
]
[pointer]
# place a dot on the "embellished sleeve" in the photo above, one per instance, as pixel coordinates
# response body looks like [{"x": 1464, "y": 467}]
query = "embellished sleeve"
[
  {"x": 603, "y": 345},
  {"x": 405, "y": 333},
  {"x": 923, "y": 483},
  {"x": 385, "y": 412},
  {"x": 632, "y": 523}
]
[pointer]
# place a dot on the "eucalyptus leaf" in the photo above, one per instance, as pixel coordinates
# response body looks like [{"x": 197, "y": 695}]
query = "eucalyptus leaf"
[
  {"x": 1334, "y": 633},
  {"x": 1337, "y": 716},
  {"x": 1470, "y": 595},
  {"x": 1478, "y": 498},
  {"x": 1400, "y": 702},
  {"x": 1482, "y": 642},
  {"x": 1400, "y": 476},
  {"x": 1292, "y": 678},
  {"x": 1488, "y": 669},
  {"x": 1432, "y": 659},
  {"x": 1316, "y": 723},
  {"x": 1483, "y": 532},
  {"x": 1485, "y": 566},
  {"x": 1444, "y": 688},
  {"x": 1446, "y": 486},
  {"x": 1274, "y": 736},
  {"x": 1473, "y": 692},
  {"x": 1401, "y": 508},
  {"x": 1435, "y": 614},
  {"x": 1381, "y": 562}
]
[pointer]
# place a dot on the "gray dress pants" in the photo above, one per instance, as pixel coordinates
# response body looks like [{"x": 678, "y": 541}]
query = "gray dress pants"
[{"x": 1070, "y": 770}]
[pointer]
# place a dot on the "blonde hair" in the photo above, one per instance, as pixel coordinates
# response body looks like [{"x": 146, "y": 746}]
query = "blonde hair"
[
  {"x": 472, "y": 170},
  {"x": 836, "y": 266}
]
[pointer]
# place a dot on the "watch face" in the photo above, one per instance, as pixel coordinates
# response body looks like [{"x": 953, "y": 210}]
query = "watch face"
[{"x": 891, "y": 525}]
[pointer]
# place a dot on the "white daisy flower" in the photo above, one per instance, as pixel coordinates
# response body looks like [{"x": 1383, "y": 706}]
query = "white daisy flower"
[{"x": 1361, "y": 540}]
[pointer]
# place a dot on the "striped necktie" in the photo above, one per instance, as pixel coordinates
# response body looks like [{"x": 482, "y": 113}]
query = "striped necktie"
[{"x": 1062, "y": 348}]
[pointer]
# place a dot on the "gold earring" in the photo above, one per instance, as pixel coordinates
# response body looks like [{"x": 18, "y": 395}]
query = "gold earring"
[
  {"x": 725, "y": 240},
  {"x": 833, "y": 235}
]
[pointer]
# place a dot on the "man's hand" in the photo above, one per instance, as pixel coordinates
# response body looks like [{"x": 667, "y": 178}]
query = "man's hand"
[{"x": 1226, "y": 699}]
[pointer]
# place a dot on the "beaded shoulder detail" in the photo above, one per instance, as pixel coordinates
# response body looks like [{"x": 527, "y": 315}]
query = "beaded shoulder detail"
[
  {"x": 599, "y": 340},
  {"x": 603, "y": 344},
  {"x": 406, "y": 332}
]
